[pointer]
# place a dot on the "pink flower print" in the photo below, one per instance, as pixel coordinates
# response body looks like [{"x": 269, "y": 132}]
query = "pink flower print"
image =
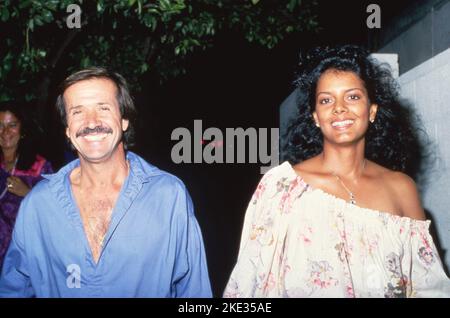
[
  {"x": 259, "y": 192},
  {"x": 350, "y": 291},
  {"x": 305, "y": 234},
  {"x": 286, "y": 269},
  {"x": 321, "y": 274},
  {"x": 261, "y": 235},
  {"x": 282, "y": 185},
  {"x": 424, "y": 240},
  {"x": 393, "y": 264},
  {"x": 269, "y": 284},
  {"x": 426, "y": 255},
  {"x": 289, "y": 195},
  {"x": 341, "y": 251},
  {"x": 232, "y": 290}
]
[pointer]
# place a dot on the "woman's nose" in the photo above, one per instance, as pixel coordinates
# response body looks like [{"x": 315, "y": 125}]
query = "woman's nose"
[{"x": 339, "y": 107}]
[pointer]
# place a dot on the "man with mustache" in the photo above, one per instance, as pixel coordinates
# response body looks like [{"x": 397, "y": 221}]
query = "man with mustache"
[{"x": 108, "y": 224}]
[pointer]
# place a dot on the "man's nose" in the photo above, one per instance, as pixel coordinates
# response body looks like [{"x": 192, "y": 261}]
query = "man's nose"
[{"x": 92, "y": 119}]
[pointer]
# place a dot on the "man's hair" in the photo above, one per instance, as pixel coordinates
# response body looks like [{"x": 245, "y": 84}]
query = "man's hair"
[{"x": 126, "y": 104}]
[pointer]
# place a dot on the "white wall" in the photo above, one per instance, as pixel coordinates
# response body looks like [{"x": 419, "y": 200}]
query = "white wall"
[{"x": 428, "y": 87}]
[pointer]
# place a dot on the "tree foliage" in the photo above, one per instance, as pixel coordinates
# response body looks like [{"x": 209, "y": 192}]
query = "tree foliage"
[{"x": 135, "y": 37}]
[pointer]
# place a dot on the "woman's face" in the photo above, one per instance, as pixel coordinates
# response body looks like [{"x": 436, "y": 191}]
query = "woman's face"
[
  {"x": 9, "y": 130},
  {"x": 342, "y": 107}
]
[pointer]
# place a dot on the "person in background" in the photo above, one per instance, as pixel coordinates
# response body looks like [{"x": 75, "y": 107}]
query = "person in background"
[
  {"x": 340, "y": 218},
  {"x": 21, "y": 167}
]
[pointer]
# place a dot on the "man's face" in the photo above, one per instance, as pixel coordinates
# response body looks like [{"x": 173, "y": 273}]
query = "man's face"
[{"x": 94, "y": 122}]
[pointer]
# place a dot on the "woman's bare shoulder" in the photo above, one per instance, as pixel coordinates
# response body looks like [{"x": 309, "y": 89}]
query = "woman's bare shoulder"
[{"x": 405, "y": 190}]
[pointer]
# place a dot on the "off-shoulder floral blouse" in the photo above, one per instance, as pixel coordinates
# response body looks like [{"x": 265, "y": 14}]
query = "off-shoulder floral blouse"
[{"x": 299, "y": 241}]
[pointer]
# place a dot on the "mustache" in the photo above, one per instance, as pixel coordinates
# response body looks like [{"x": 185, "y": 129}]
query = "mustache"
[{"x": 96, "y": 130}]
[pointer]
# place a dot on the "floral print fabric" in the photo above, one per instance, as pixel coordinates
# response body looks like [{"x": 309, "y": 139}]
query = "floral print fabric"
[{"x": 298, "y": 241}]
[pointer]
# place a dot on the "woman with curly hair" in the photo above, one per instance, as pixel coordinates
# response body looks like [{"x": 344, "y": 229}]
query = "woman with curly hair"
[{"x": 340, "y": 218}]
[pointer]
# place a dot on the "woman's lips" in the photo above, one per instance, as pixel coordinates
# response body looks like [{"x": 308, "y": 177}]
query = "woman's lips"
[{"x": 342, "y": 124}]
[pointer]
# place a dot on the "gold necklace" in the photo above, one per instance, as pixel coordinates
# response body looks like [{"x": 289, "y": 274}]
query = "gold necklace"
[{"x": 350, "y": 193}]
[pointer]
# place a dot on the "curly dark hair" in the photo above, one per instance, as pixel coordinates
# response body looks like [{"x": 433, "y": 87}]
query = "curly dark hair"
[{"x": 391, "y": 140}]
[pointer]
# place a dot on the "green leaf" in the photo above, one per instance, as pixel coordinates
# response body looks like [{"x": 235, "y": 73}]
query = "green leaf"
[
  {"x": 31, "y": 24},
  {"x": 144, "y": 68},
  {"x": 164, "y": 5},
  {"x": 24, "y": 4},
  {"x": 38, "y": 21},
  {"x": 48, "y": 16},
  {"x": 118, "y": 30},
  {"x": 5, "y": 14},
  {"x": 139, "y": 7},
  {"x": 100, "y": 6},
  {"x": 291, "y": 5}
]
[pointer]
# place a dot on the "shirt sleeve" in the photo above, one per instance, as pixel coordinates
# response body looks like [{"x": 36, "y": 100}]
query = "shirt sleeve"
[
  {"x": 263, "y": 234},
  {"x": 190, "y": 278},
  {"x": 427, "y": 276},
  {"x": 15, "y": 280},
  {"x": 242, "y": 279}
]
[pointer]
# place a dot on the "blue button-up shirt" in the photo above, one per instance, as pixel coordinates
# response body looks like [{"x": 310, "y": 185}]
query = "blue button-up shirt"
[{"x": 153, "y": 247}]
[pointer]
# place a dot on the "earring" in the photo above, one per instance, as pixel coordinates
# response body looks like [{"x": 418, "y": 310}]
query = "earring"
[
  {"x": 372, "y": 120},
  {"x": 317, "y": 125}
]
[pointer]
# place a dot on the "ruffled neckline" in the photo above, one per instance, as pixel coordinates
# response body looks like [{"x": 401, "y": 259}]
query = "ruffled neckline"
[{"x": 351, "y": 207}]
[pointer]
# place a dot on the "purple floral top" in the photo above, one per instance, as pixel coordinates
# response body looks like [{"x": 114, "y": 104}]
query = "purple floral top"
[{"x": 9, "y": 203}]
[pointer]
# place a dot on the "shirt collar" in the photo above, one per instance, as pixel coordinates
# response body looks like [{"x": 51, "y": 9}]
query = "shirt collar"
[
  {"x": 140, "y": 173},
  {"x": 138, "y": 166}
]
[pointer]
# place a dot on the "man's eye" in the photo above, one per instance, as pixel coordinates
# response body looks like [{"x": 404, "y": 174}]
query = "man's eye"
[
  {"x": 76, "y": 112},
  {"x": 104, "y": 108}
]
